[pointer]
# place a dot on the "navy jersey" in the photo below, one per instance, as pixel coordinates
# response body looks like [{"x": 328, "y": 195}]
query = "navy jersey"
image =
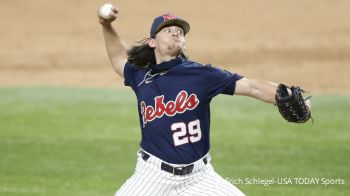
[{"x": 173, "y": 103}]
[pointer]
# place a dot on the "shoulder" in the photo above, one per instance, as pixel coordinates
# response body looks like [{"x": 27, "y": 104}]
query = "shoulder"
[
  {"x": 130, "y": 67},
  {"x": 195, "y": 65},
  {"x": 188, "y": 66},
  {"x": 133, "y": 73},
  {"x": 205, "y": 68}
]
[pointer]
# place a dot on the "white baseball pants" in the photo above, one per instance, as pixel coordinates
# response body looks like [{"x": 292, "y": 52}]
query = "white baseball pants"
[{"x": 149, "y": 179}]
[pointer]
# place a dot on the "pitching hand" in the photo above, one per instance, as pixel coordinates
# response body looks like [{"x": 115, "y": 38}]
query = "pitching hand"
[{"x": 103, "y": 20}]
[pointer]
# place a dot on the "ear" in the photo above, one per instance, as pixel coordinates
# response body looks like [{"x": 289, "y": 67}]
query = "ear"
[{"x": 151, "y": 42}]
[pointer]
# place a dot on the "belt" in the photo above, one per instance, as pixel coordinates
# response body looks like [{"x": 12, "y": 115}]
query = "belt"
[{"x": 173, "y": 170}]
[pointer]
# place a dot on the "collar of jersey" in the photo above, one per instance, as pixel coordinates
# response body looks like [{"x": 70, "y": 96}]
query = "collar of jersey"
[{"x": 164, "y": 66}]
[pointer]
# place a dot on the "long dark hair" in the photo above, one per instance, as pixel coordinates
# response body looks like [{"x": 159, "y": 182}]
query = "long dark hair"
[{"x": 142, "y": 55}]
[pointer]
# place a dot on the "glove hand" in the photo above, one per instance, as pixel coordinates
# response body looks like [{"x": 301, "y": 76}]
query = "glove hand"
[{"x": 291, "y": 104}]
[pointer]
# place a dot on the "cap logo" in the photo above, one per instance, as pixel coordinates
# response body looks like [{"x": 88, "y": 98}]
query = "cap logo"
[{"x": 169, "y": 17}]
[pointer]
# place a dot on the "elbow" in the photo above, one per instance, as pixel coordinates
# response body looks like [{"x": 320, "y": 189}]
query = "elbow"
[
  {"x": 263, "y": 94},
  {"x": 255, "y": 93}
]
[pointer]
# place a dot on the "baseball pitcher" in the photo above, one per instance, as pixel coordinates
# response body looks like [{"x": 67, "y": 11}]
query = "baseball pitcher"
[{"x": 173, "y": 100}]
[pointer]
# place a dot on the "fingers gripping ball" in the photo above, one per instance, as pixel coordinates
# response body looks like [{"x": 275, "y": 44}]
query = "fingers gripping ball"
[
  {"x": 106, "y": 11},
  {"x": 292, "y": 106}
]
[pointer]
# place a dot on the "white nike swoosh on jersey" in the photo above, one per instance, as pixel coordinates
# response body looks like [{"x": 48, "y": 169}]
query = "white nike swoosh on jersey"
[{"x": 162, "y": 73}]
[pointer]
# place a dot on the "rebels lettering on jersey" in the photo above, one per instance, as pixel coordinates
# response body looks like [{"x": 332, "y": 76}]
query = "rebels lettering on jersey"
[
  {"x": 174, "y": 106},
  {"x": 182, "y": 103}
]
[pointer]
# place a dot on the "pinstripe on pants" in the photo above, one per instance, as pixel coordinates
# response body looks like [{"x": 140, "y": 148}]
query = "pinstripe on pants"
[{"x": 149, "y": 179}]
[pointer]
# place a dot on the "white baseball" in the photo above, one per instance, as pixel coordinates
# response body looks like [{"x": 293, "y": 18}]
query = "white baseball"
[{"x": 106, "y": 11}]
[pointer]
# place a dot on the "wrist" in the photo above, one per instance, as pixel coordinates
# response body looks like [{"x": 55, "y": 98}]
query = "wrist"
[{"x": 105, "y": 23}]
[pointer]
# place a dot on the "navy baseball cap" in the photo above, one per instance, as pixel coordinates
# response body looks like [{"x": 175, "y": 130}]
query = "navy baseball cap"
[{"x": 166, "y": 20}]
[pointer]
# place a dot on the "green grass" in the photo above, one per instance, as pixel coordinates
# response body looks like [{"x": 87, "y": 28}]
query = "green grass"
[{"x": 79, "y": 141}]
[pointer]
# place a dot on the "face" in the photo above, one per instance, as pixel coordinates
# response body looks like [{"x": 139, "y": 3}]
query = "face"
[{"x": 169, "y": 41}]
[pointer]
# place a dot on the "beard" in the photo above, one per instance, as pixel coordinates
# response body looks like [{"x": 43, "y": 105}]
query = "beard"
[{"x": 176, "y": 48}]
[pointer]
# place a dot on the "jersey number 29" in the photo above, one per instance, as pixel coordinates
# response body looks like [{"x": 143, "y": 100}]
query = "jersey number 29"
[{"x": 183, "y": 134}]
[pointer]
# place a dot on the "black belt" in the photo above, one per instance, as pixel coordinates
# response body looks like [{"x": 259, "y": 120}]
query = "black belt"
[{"x": 173, "y": 170}]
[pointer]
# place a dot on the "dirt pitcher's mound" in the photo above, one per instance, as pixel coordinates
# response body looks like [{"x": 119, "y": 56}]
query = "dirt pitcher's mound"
[{"x": 296, "y": 42}]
